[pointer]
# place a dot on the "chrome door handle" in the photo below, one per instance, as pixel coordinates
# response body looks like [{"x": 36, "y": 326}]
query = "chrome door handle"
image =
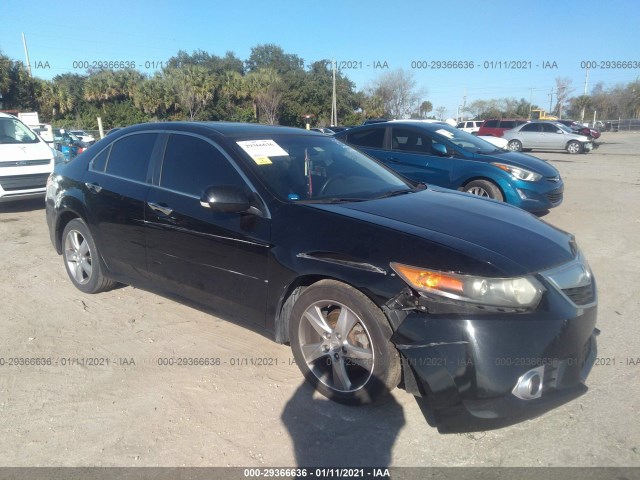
[
  {"x": 160, "y": 208},
  {"x": 94, "y": 187}
]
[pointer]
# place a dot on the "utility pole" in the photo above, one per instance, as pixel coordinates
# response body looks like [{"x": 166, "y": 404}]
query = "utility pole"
[
  {"x": 586, "y": 81},
  {"x": 464, "y": 104},
  {"x": 26, "y": 54},
  {"x": 334, "y": 101},
  {"x": 550, "y": 99}
]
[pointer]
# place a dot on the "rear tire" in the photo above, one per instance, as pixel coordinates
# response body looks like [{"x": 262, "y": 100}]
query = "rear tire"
[
  {"x": 340, "y": 342},
  {"x": 81, "y": 259}
]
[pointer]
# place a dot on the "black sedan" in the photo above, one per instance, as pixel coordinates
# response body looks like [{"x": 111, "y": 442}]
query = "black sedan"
[{"x": 375, "y": 281}]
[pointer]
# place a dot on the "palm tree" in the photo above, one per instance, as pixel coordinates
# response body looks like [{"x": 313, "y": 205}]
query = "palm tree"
[
  {"x": 154, "y": 96},
  {"x": 194, "y": 87},
  {"x": 263, "y": 86}
]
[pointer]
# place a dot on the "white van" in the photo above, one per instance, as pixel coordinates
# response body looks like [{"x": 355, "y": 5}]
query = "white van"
[{"x": 26, "y": 161}]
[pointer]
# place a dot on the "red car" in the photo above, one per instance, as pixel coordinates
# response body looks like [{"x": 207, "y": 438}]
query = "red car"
[
  {"x": 578, "y": 127},
  {"x": 495, "y": 127}
]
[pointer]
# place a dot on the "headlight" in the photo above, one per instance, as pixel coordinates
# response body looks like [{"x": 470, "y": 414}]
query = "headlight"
[
  {"x": 519, "y": 292},
  {"x": 519, "y": 173}
]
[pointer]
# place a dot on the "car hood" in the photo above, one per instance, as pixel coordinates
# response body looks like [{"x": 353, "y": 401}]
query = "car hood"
[
  {"x": 16, "y": 152},
  {"x": 521, "y": 160},
  {"x": 525, "y": 243}
]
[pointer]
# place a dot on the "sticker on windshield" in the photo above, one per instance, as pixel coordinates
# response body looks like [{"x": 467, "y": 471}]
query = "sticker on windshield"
[
  {"x": 445, "y": 133},
  {"x": 261, "y": 150},
  {"x": 262, "y": 160}
]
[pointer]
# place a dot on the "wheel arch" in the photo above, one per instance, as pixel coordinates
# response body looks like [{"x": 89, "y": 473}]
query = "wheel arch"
[
  {"x": 295, "y": 289},
  {"x": 566, "y": 146},
  {"x": 64, "y": 217},
  {"x": 464, "y": 184}
]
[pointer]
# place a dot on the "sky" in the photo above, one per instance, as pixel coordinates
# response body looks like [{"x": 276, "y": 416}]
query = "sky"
[{"x": 543, "y": 39}]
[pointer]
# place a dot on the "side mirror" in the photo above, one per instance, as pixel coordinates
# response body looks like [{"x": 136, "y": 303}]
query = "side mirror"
[
  {"x": 559, "y": 131},
  {"x": 226, "y": 199},
  {"x": 439, "y": 149}
]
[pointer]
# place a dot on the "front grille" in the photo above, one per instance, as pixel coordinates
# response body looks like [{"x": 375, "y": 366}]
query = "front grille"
[
  {"x": 24, "y": 163},
  {"x": 24, "y": 182},
  {"x": 581, "y": 295}
]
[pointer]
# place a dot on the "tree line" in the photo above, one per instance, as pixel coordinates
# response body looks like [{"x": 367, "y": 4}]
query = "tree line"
[{"x": 271, "y": 86}]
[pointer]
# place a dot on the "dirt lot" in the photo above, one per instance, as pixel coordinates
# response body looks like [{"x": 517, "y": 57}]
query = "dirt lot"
[{"x": 135, "y": 412}]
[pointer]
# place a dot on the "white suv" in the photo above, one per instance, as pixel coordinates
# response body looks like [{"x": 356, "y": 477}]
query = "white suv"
[
  {"x": 25, "y": 161},
  {"x": 470, "y": 126}
]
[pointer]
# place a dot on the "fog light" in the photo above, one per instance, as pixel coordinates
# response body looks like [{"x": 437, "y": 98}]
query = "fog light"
[
  {"x": 521, "y": 194},
  {"x": 529, "y": 385}
]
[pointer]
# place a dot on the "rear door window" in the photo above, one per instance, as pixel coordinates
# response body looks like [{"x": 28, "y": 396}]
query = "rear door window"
[
  {"x": 129, "y": 157},
  {"x": 372, "y": 138}
]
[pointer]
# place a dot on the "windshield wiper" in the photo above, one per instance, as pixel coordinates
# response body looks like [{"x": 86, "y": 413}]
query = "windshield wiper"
[
  {"x": 335, "y": 200},
  {"x": 395, "y": 193}
]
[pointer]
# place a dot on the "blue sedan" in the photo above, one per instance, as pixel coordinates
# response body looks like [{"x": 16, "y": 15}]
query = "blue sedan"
[{"x": 439, "y": 154}]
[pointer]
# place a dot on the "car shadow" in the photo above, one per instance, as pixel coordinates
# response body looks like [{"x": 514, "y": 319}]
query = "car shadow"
[
  {"x": 21, "y": 206},
  {"x": 328, "y": 434}
]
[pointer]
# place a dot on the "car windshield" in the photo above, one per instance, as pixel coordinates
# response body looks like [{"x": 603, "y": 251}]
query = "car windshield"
[
  {"x": 13, "y": 130},
  {"x": 564, "y": 128},
  {"x": 317, "y": 168},
  {"x": 465, "y": 140}
]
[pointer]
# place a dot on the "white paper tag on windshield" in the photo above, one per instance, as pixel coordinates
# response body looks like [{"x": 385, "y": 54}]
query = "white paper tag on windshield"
[
  {"x": 261, "y": 150},
  {"x": 445, "y": 133}
]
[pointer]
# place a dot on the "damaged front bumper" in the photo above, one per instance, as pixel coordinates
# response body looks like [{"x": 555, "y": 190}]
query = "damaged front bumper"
[{"x": 491, "y": 369}]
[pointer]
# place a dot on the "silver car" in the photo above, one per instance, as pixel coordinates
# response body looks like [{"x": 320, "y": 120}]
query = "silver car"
[{"x": 546, "y": 136}]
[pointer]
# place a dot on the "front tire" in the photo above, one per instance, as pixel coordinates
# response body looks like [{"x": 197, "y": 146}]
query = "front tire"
[
  {"x": 340, "y": 342},
  {"x": 515, "y": 145},
  {"x": 81, "y": 259},
  {"x": 574, "y": 147},
  {"x": 484, "y": 188}
]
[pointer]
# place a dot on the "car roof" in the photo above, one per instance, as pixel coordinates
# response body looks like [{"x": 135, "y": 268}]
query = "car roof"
[
  {"x": 507, "y": 119},
  {"x": 221, "y": 128}
]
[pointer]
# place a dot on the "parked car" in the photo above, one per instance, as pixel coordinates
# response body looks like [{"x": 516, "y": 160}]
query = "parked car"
[
  {"x": 69, "y": 144},
  {"x": 470, "y": 126},
  {"x": 581, "y": 129},
  {"x": 337, "y": 129},
  {"x": 326, "y": 131},
  {"x": 26, "y": 161},
  {"x": 84, "y": 136},
  {"x": 495, "y": 141},
  {"x": 432, "y": 288},
  {"x": 438, "y": 154},
  {"x": 546, "y": 135},
  {"x": 497, "y": 126}
]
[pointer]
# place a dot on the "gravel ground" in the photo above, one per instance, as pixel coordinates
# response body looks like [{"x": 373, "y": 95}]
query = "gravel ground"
[{"x": 135, "y": 412}]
